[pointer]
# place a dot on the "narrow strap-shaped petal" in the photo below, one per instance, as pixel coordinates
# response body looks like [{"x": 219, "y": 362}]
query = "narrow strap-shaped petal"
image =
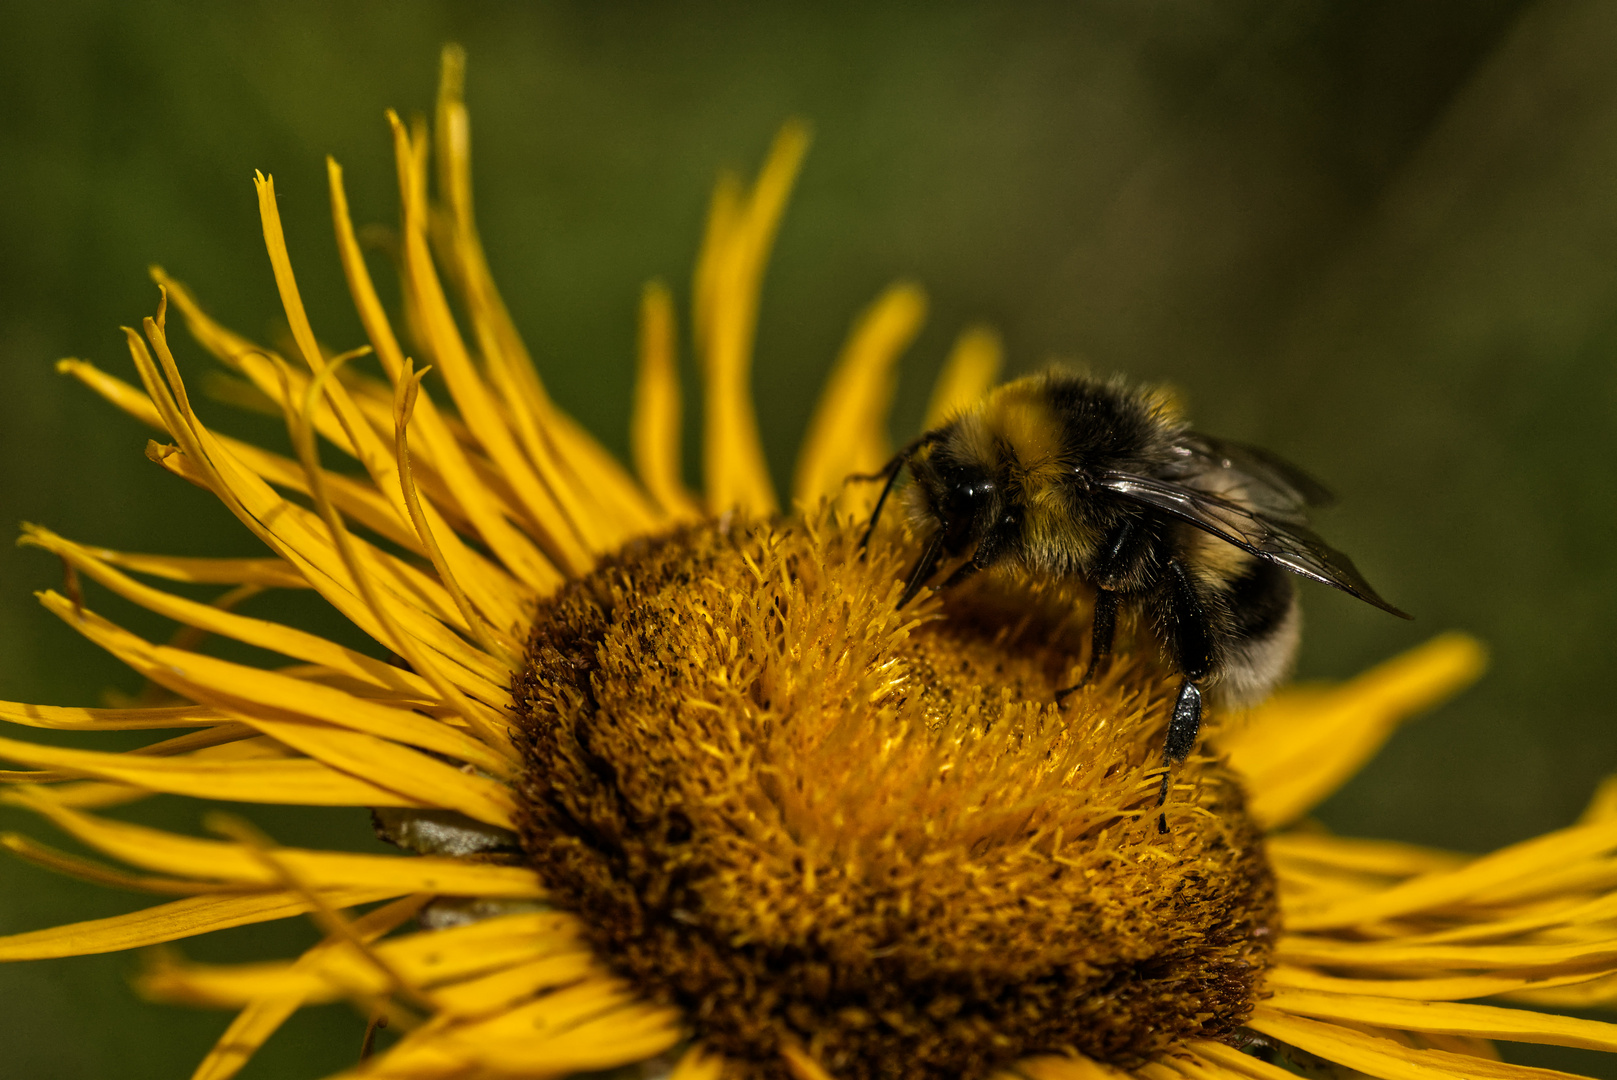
[
  {"x": 604, "y": 502},
  {"x": 296, "y": 534},
  {"x": 1453, "y": 988},
  {"x": 1295, "y": 756},
  {"x": 442, "y": 451},
  {"x": 1385, "y": 1058},
  {"x": 68, "y": 718},
  {"x": 373, "y": 451},
  {"x": 654, "y": 426},
  {"x": 1389, "y": 956},
  {"x": 729, "y": 278},
  {"x": 515, "y": 976},
  {"x": 427, "y": 958},
  {"x": 293, "y": 781},
  {"x": 258, "y": 697},
  {"x": 967, "y": 375},
  {"x": 1236, "y": 1064},
  {"x": 487, "y": 994},
  {"x": 1449, "y": 1018},
  {"x": 270, "y": 573},
  {"x": 286, "y": 640},
  {"x": 306, "y": 536},
  {"x": 305, "y": 541},
  {"x": 591, "y": 1025},
  {"x": 1384, "y": 858},
  {"x": 1428, "y": 891},
  {"x": 46, "y": 857},
  {"x": 1066, "y": 1068},
  {"x": 556, "y": 531},
  {"x": 253, "y": 1026},
  {"x": 848, "y": 433},
  {"x": 376, "y": 504},
  {"x": 699, "y": 1063},
  {"x": 801, "y": 1064},
  {"x": 489, "y": 633},
  {"x": 169, "y": 922},
  {"x": 407, "y": 645},
  {"x": 171, "y": 853}
]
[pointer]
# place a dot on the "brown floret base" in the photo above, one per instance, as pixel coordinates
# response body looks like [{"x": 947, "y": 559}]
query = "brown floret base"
[{"x": 812, "y": 820}]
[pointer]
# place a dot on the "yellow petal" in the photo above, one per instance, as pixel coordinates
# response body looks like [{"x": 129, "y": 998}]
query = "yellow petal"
[
  {"x": 276, "y": 637},
  {"x": 271, "y": 703},
  {"x": 730, "y": 273},
  {"x": 491, "y": 993},
  {"x": 801, "y": 1064},
  {"x": 1383, "y": 1057},
  {"x": 556, "y": 530},
  {"x": 67, "y": 718},
  {"x": 848, "y": 433},
  {"x": 1479, "y": 1021},
  {"x": 270, "y": 573},
  {"x": 373, "y": 452},
  {"x": 654, "y": 428},
  {"x": 699, "y": 1063},
  {"x": 291, "y": 781},
  {"x": 169, "y": 922},
  {"x": 967, "y": 375},
  {"x": 441, "y": 451},
  {"x": 1384, "y": 858},
  {"x": 1236, "y": 1063},
  {"x": 1420, "y": 959},
  {"x": 568, "y": 457},
  {"x": 1525, "y": 860},
  {"x": 432, "y": 958},
  {"x": 1294, "y": 754},
  {"x": 301, "y": 537},
  {"x": 557, "y": 1037},
  {"x": 113, "y": 389},
  {"x": 1066, "y": 1068},
  {"x": 87, "y": 870},
  {"x": 154, "y": 849},
  {"x": 1593, "y": 994},
  {"x": 253, "y": 1026},
  {"x": 1456, "y": 988}
]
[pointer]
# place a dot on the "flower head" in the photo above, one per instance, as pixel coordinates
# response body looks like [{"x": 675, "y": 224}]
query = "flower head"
[{"x": 687, "y": 788}]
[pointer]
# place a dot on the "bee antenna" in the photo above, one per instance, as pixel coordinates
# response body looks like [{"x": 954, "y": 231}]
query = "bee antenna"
[
  {"x": 890, "y": 472},
  {"x": 927, "y": 563}
]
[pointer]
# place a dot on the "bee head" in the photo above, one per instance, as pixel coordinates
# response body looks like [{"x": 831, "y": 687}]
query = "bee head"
[{"x": 962, "y": 497}]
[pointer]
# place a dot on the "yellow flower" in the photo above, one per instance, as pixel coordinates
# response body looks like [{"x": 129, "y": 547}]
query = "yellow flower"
[{"x": 688, "y": 790}]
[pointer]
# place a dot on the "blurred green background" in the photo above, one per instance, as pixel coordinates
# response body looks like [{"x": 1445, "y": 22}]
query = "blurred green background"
[{"x": 1379, "y": 238}]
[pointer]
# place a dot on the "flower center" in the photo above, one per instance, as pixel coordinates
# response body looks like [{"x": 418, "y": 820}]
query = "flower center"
[{"x": 811, "y": 819}]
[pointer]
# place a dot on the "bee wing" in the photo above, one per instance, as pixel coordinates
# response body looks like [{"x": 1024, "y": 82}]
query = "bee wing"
[
  {"x": 1287, "y": 544},
  {"x": 1273, "y": 479}
]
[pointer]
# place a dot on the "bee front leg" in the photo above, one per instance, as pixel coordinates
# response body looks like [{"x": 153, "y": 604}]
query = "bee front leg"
[{"x": 1116, "y": 554}]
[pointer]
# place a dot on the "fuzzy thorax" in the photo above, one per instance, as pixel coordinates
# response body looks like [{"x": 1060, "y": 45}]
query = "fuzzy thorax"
[{"x": 811, "y": 819}]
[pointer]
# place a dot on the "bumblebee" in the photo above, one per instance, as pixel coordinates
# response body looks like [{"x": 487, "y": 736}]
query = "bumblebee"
[{"x": 1064, "y": 475}]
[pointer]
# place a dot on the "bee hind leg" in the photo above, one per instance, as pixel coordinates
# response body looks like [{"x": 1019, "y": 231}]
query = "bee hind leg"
[
  {"x": 1191, "y": 642},
  {"x": 1182, "y": 729}
]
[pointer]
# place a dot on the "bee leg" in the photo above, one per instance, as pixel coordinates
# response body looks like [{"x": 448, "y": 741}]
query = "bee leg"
[
  {"x": 924, "y": 566},
  {"x": 1190, "y": 641},
  {"x": 1186, "y": 722},
  {"x": 961, "y": 573},
  {"x": 1100, "y": 638},
  {"x": 1182, "y": 729}
]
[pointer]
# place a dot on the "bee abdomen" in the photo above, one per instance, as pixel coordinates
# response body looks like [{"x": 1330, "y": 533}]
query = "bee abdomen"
[{"x": 1264, "y": 628}]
